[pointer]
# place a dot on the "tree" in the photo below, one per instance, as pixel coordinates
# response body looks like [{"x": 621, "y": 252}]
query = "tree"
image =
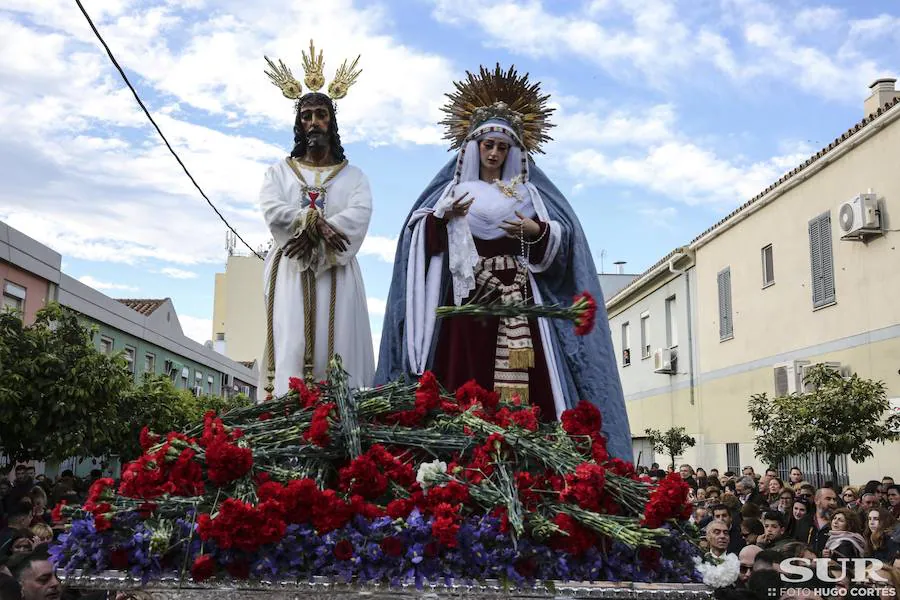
[
  {"x": 58, "y": 393},
  {"x": 671, "y": 443},
  {"x": 160, "y": 406},
  {"x": 836, "y": 416}
]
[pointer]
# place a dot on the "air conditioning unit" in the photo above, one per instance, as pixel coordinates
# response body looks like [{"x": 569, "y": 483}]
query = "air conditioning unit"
[
  {"x": 804, "y": 371},
  {"x": 665, "y": 361},
  {"x": 788, "y": 377},
  {"x": 859, "y": 216}
]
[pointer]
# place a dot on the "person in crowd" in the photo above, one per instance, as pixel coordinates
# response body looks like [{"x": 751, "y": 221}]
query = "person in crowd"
[
  {"x": 40, "y": 513},
  {"x": 806, "y": 491},
  {"x": 746, "y": 557},
  {"x": 795, "y": 476},
  {"x": 9, "y": 587},
  {"x": 867, "y": 501},
  {"x": 687, "y": 473},
  {"x": 785, "y": 501},
  {"x": 774, "y": 526},
  {"x": 799, "y": 510},
  {"x": 845, "y": 538},
  {"x": 880, "y": 523},
  {"x": 18, "y": 518},
  {"x": 849, "y": 497},
  {"x": 751, "y": 511},
  {"x": 746, "y": 491},
  {"x": 41, "y": 533},
  {"x": 713, "y": 495},
  {"x": 814, "y": 529},
  {"x": 36, "y": 574},
  {"x": 751, "y": 530},
  {"x": 702, "y": 478},
  {"x": 775, "y": 487},
  {"x": 718, "y": 538},
  {"x": 721, "y": 512},
  {"x": 892, "y": 493}
]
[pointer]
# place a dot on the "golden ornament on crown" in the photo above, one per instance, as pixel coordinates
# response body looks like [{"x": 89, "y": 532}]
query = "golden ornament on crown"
[{"x": 314, "y": 68}]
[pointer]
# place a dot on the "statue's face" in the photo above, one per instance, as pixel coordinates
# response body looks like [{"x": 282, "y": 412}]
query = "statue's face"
[
  {"x": 493, "y": 153},
  {"x": 315, "y": 118}
]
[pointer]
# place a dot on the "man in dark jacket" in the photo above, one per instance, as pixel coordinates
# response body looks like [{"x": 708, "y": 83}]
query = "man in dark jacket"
[{"x": 813, "y": 529}]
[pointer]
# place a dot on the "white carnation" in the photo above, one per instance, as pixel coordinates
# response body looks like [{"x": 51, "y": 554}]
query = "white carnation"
[
  {"x": 722, "y": 574},
  {"x": 429, "y": 471}
]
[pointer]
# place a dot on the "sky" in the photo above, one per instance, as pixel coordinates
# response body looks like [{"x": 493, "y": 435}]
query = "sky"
[{"x": 669, "y": 114}]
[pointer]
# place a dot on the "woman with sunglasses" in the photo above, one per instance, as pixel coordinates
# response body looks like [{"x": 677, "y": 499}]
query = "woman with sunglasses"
[
  {"x": 848, "y": 495},
  {"x": 785, "y": 502}
]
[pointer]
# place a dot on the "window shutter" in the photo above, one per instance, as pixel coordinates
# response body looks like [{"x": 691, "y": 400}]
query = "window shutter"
[
  {"x": 827, "y": 259},
  {"x": 726, "y": 328},
  {"x": 821, "y": 261}
]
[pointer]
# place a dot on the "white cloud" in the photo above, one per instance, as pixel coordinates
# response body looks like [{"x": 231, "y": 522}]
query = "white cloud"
[
  {"x": 382, "y": 247},
  {"x": 105, "y": 286},
  {"x": 196, "y": 328},
  {"x": 84, "y": 172},
  {"x": 377, "y": 306},
  {"x": 659, "y": 217},
  {"x": 683, "y": 171},
  {"x": 178, "y": 273}
]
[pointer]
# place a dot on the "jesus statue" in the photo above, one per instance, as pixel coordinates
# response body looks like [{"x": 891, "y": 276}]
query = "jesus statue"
[{"x": 317, "y": 207}]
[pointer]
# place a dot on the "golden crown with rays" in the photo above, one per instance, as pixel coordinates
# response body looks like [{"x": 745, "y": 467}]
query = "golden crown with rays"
[
  {"x": 313, "y": 66},
  {"x": 498, "y": 94}
]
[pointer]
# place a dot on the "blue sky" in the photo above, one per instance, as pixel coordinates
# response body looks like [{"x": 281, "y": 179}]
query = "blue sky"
[{"x": 669, "y": 114}]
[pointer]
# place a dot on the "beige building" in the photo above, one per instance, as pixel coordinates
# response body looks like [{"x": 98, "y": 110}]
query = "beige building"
[
  {"x": 806, "y": 272},
  {"x": 239, "y": 317}
]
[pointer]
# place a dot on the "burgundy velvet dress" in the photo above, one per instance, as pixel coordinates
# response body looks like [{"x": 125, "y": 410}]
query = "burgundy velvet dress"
[{"x": 466, "y": 345}]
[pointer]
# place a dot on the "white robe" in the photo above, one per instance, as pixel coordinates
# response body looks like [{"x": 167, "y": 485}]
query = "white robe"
[{"x": 348, "y": 208}]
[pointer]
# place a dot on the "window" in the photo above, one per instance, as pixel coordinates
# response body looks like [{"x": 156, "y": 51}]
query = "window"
[
  {"x": 726, "y": 327},
  {"x": 129, "y": 358},
  {"x": 209, "y": 385},
  {"x": 733, "y": 457},
  {"x": 821, "y": 261},
  {"x": 768, "y": 266},
  {"x": 220, "y": 337},
  {"x": 645, "y": 333},
  {"x": 13, "y": 296},
  {"x": 106, "y": 345},
  {"x": 671, "y": 324},
  {"x": 149, "y": 363},
  {"x": 626, "y": 345}
]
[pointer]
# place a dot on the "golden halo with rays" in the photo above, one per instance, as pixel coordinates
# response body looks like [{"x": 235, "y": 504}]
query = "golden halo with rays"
[{"x": 498, "y": 94}]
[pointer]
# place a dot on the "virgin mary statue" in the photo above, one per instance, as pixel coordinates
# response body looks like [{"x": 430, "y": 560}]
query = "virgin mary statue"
[{"x": 492, "y": 227}]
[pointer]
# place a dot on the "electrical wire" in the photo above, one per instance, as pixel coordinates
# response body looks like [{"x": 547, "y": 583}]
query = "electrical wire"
[{"x": 158, "y": 130}]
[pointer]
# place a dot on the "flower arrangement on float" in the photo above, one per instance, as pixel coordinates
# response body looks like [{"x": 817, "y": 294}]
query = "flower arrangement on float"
[{"x": 399, "y": 484}]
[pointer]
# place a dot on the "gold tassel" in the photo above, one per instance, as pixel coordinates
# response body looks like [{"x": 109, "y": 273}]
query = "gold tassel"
[
  {"x": 508, "y": 390},
  {"x": 521, "y": 358}
]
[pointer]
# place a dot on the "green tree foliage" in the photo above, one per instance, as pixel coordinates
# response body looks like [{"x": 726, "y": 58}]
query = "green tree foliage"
[
  {"x": 836, "y": 416},
  {"x": 671, "y": 443},
  {"x": 60, "y": 397},
  {"x": 160, "y": 406},
  {"x": 58, "y": 394}
]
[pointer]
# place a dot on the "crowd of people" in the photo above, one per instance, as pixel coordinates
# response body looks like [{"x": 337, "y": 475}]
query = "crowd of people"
[
  {"x": 764, "y": 520},
  {"x": 27, "y": 528}
]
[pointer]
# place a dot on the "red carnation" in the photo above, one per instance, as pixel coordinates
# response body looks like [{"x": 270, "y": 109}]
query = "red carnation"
[
  {"x": 265, "y": 416},
  {"x": 147, "y": 438},
  {"x": 584, "y": 419},
  {"x": 470, "y": 393},
  {"x": 392, "y": 546},
  {"x": 56, "y": 514},
  {"x": 318, "y": 429},
  {"x": 585, "y": 487},
  {"x": 578, "y": 539},
  {"x": 343, "y": 550},
  {"x": 203, "y": 568},
  {"x": 309, "y": 396},
  {"x": 227, "y": 462},
  {"x": 585, "y": 308},
  {"x": 667, "y": 501}
]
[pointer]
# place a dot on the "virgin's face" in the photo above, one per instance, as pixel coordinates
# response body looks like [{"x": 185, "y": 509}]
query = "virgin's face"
[
  {"x": 874, "y": 520},
  {"x": 493, "y": 153}
]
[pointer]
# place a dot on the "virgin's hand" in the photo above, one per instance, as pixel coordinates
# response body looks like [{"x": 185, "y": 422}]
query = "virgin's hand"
[
  {"x": 460, "y": 207},
  {"x": 528, "y": 227}
]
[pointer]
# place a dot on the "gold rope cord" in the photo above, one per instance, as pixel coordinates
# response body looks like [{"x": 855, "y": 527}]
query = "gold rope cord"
[
  {"x": 331, "y": 311},
  {"x": 310, "y": 298},
  {"x": 270, "y": 338}
]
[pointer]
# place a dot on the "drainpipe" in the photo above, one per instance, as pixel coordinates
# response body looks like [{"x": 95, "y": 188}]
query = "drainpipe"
[{"x": 682, "y": 252}]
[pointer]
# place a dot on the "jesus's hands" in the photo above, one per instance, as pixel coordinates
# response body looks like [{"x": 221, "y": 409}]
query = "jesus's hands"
[
  {"x": 523, "y": 226},
  {"x": 335, "y": 239},
  {"x": 297, "y": 246}
]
